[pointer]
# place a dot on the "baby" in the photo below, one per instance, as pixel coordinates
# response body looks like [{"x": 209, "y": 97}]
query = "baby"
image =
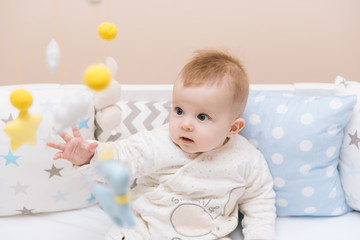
[{"x": 194, "y": 174}]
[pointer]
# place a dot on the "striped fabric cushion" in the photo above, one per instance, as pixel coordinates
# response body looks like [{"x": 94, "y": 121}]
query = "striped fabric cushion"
[{"x": 136, "y": 116}]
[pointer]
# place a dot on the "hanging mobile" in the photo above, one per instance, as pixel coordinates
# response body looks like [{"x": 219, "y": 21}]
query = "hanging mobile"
[{"x": 23, "y": 129}]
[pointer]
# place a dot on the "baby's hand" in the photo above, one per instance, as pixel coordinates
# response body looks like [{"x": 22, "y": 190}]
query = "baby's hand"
[{"x": 75, "y": 149}]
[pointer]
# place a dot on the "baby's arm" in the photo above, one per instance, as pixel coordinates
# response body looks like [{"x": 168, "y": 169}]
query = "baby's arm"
[
  {"x": 258, "y": 205},
  {"x": 75, "y": 149}
]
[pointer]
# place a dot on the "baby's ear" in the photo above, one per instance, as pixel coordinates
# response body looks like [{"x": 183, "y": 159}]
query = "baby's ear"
[{"x": 236, "y": 126}]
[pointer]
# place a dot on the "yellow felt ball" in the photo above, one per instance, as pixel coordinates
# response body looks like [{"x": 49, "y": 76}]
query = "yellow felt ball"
[
  {"x": 107, "y": 31},
  {"x": 97, "y": 77},
  {"x": 21, "y": 99}
]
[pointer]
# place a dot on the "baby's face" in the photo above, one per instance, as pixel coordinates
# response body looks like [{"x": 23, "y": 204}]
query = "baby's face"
[{"x": 201, "y": 117}]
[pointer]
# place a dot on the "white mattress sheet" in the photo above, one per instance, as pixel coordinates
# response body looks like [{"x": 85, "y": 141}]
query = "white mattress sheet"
[
  {"x": 88, "y": 223},
  {"x": 346, "y": 227},
  {"x": 92, "y": 224}
]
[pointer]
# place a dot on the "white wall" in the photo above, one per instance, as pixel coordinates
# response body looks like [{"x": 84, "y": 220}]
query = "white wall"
[{"x": 278, "y": 41}]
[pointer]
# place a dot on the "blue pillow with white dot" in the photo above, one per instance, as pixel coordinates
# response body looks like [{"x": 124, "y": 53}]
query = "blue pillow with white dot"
[{"x": 300, "y": 138}]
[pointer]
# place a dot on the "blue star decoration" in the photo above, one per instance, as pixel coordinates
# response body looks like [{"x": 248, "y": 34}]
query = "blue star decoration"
[
  {"x": 48, "y": 106},
  {"x": 60, "y": 196},
  {"x": 83, "y": 123},
  {"x": 10, "y": 158},
  {"x": 91, "y": 198}
]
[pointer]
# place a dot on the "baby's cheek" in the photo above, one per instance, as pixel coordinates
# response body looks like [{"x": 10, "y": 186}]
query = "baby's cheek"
[
  {"x": 208, "y": 140},
  {"x": 214, "y": 139},
  {"x": 172, "y": 130}
]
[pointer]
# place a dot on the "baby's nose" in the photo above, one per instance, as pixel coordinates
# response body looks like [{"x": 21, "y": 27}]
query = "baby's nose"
[{"x": 187, "y": 125}]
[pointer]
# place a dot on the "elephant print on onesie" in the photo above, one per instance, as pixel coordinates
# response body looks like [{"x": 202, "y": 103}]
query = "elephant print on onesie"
[{"x": 196, "y": 220}]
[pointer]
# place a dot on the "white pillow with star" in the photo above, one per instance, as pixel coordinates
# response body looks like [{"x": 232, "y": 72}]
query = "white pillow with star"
[
  {"x": 350, "y": 152},
  {"x": 30, "y": 180}
]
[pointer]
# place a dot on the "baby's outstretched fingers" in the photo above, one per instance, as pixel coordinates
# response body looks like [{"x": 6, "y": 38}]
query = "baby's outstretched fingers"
[
  {"x": 56, "y": 145},
  {"x": 58, "y": 155},
  {"x": 75, "y": 130},
  {"x": 92, "y": 146},
  {"x": 67, "y": 138}
]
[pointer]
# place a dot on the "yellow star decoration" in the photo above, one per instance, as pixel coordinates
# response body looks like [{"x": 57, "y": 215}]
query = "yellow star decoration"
[{"x": 23, "y": 129}]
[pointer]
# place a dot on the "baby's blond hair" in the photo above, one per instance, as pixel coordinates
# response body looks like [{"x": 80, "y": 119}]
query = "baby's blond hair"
[{"x": 217, "y": 67}]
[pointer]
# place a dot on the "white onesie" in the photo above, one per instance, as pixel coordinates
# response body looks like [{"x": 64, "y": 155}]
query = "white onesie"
[{"x": 182, "y": 196}]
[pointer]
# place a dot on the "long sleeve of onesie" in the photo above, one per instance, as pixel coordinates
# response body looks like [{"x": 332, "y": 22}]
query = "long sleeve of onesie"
[
  {"x": 258, "y": 203},
  {"x": 143, "y": 153}
]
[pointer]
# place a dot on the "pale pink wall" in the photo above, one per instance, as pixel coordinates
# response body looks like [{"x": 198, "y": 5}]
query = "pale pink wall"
[{"x": 279, "y": 41}]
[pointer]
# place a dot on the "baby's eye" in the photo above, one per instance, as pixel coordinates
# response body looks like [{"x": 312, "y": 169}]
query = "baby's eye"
[
  {"x": 202, "y": 117},
  {"x": 179, "y": 111}
]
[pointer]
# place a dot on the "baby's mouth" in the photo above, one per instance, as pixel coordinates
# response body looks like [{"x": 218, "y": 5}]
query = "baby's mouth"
[{"x": 186, "y": 140}]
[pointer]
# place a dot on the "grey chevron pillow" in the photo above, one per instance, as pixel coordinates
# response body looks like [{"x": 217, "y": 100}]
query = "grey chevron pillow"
[{"x": 136, "y": 116}]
